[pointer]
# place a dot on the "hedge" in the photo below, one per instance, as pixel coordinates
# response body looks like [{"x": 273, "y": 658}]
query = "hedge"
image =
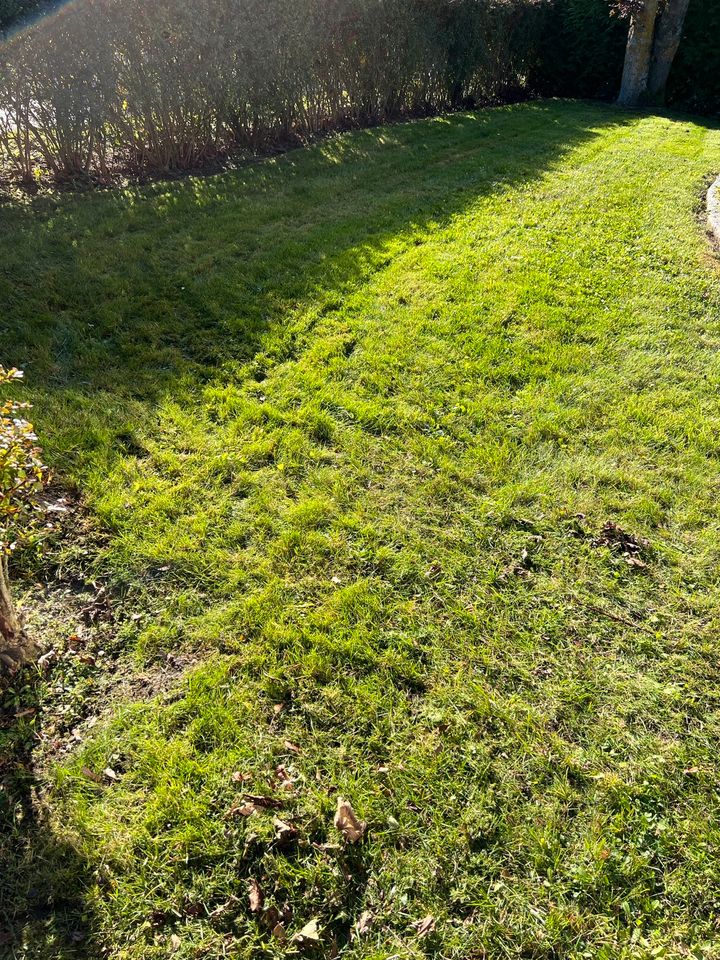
[{"x": 106, "y": 86}]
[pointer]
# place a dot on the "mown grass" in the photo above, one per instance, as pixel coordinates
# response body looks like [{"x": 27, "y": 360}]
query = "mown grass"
[{"x": 350, "y": 424}]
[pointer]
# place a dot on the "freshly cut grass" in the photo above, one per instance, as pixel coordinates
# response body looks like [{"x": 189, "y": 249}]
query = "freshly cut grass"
[{"x": 411, "y": 439}]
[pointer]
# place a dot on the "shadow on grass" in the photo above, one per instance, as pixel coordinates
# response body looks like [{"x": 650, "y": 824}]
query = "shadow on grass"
[
  {"x": 131, "y": 295},
  {"x": 43, "y": 879},
  {"x": 113, "y": 301}
]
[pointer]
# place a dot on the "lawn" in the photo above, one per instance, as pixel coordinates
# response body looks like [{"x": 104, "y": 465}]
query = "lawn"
[{"x": 397, "y": 457}]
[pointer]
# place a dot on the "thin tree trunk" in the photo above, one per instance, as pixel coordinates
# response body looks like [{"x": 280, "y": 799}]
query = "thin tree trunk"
[
  {"x": 667, "y": 41},
  {"x": 15, "y": 648},
  {"x": 638, "y": 53}
]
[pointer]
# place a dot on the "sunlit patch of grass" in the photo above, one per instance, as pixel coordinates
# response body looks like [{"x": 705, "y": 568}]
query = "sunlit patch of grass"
[{"x": 353, "y": 430}]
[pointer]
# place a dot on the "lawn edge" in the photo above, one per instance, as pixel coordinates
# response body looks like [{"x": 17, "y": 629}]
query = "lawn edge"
[{"x": 713, "y": 209}]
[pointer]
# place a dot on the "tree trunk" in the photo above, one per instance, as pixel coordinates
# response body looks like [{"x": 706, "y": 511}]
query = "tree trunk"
[
  {"x": 15, "y": 648},
  {"x": 667, "y": 41},
  {"x": 638, "y": 54}
]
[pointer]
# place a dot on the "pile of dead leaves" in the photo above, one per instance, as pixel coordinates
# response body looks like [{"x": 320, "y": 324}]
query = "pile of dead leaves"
[
  {"x": 632, "y": 549},
  {"x": 273, "y": 918}
]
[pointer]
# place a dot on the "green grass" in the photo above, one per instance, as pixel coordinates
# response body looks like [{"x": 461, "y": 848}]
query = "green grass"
[{"x": 348, "y": 425}]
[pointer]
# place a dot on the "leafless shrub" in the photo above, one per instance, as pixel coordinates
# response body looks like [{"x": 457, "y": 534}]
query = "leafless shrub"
[{"x": 170, "y": 85}]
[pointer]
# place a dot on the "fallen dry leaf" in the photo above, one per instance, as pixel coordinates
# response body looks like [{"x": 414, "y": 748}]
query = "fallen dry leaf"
[
  {"x": 292, "y": 747},
  {"x": 243, "y": 810},
  {"x": 425, "y": 926},
  {"x": 57, "y": 507},
  {"x": 284, "y": 780},
  {"x": 285, "y": 834},
  {"x": 271, "y": 917},
  {"x": 46, "y": 659},
  {"x": 308, "y": 935},
  {"x": 364, "y": 923},
  {"x": 514, "y": 570},
  {"x": 632, "y": 561},
  {"x": 175, "y": 942},
  {"x": 238, "y": 777},
  {"x": 110, "y": 773},
  {"x": 260, "y": 800},
  {"x": 256, "y": 898},
  {"x": 91, "y": 775},
  {"x": 347, "y": 821}
]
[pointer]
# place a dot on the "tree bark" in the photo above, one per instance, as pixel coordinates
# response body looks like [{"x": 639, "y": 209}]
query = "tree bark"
[
  {"x": 638, "y": 55},
  {"x": 15, "y": 647},
  {"x": 667, "y": 40}
]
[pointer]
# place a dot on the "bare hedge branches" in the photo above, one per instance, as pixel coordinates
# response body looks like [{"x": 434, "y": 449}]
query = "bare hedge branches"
[{"x": 109, "y": 85}]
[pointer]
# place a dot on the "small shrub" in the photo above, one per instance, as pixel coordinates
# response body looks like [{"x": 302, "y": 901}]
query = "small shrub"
[{"x": 22, "y": 479}]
